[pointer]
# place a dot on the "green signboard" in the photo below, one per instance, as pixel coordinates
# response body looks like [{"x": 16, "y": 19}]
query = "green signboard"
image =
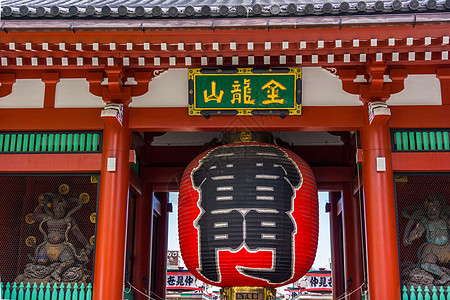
[{"x": 245, "y": 91}]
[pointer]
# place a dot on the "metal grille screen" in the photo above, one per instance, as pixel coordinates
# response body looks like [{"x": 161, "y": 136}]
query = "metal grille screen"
[
  {"x": 47, "y": 227},
  {"x": 423, "y": 229}
]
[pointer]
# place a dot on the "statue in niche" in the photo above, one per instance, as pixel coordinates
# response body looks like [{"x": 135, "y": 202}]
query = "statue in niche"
[
  {"x": 56, "y": 259},
  {"x": 432, "y": 220}
]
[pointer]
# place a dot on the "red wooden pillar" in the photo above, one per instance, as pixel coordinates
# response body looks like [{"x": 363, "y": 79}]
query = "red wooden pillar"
[
  {"x": 112, "y": 210},
  {"x": 336, "y": 246},
  {"x": 353, "y": 255},
  {"x": 380, "y": 216},
  {"x": 143, "y": 243},
  {"x": 161, "y": 252}
]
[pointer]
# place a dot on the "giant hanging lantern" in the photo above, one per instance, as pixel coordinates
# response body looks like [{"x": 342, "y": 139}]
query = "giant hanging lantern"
[{"x": 248, "y": 216}]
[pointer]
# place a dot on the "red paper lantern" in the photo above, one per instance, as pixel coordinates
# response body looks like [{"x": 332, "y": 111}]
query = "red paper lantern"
[{"x": 248, "y": 216}]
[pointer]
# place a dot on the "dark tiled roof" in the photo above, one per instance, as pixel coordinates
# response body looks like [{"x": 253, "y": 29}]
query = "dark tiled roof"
[{"x": 43, "y": 9}]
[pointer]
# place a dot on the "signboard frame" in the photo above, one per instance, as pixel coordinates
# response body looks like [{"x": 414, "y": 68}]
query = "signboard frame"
[{"x": 199, "y": 107}]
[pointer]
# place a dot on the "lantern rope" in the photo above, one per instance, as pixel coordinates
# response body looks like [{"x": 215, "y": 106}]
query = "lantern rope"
[
  {"x": 360, "y": 198},
  {"x": 157, "y": 296},
  {"x": 142, "y": 293},
  {"x": 344, "y": 295}
]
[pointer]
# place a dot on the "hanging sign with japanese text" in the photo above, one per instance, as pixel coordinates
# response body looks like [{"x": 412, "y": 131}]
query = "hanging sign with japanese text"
[
  {"x": 245, "y": 91},
  {"x": 181, "y": 280},
  {"x": 316, "y": 281}
]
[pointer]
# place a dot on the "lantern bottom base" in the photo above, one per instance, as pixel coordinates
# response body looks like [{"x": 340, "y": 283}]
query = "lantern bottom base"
[{"x": 247, "y": 293}]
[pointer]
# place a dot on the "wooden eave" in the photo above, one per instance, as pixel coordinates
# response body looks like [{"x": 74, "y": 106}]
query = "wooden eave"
[{"x": 400, "y": 40}]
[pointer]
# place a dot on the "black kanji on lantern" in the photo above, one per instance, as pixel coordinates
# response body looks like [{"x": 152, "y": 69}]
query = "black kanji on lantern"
[{"x": 246, "y": 197}]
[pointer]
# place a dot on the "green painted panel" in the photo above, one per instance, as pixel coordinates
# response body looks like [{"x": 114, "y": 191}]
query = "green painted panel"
[
  {"x": 89, "y": 292},
  {"x": 12, "y": 145},
  {"x": 89, "y": 142},
  {"x": 68, "y": 292},
  {"x": 34, "y": 292},
  {"x": 446, "y": 141},
  {"x": 32, "y": 141},
  {"x": 419, "y": 140},
  {"x": 37, "y": 147},
  {"x": 432, "y": 141},
  {"x": 419, "y": 293},
  {"x": 50, "y": 142},
  {"x": 44, "y": 143},
  {"x": 14, "y": 291},
  {"x": 405, "y": 141},
  {"x": 26, "y": 138},
  {"x": 57, "y": 142},
  {"x": 412, "y": 141},
  {"x": 63, "y": 142},
  {"x": 439, "y": 140},
  {"x": 28, "y": 292},
  {"x": 7, "y": 291},
  {"x": 76, "y": 141},
  {"x": 398, "y": 141},
  {"x": 54, "y": 292},
  {"x": 19, "y": 143},
  {"x": 95, "y": 142},
  {"x": 82, "y": 292},
  {"x": 75, "y": 292},
  {"x": 426, "y": 142},
  {"x": 47, "y": 291},
  {"x": 70, "y": 142},
  {"x": 82, "y": 142},
  {"x": 7, "y": 141}
]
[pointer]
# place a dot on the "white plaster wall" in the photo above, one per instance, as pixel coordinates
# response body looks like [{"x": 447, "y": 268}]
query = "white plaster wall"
[
  {"x": 26, "y": 93},
  {"x": 170, "y": 89},
  {"x": 419, "y": 90},
  {"x": 75, "y": 93},
  {"x": 321, "y": 88}
]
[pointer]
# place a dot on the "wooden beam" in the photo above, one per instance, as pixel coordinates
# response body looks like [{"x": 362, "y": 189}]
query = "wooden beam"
[
  {"x": 204, "y": 34},
  {"x": 421, "y": 162},
  {"x": 330, "y": 186},
  {"x": 334, "y": 174},
  {"x": 420, "y": 116},
  {"x": 32, "y": 119},
  {"x": 313, "y": 118},
  {"x": 48, "y": 163},
  {"x": 135, "y": 183}
]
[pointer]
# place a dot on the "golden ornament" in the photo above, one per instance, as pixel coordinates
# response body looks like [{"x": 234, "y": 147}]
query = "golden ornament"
[
  {"x": 92, "y": 240},
  {"x": 30, "y": 241},
  {"x": 246, "y": 136},
  {"x": 29, "y": 218},
  {"x": 84, "y": 197},
  {"x": 63, "y": 189},
  {"x": 93, "y": 217}
]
